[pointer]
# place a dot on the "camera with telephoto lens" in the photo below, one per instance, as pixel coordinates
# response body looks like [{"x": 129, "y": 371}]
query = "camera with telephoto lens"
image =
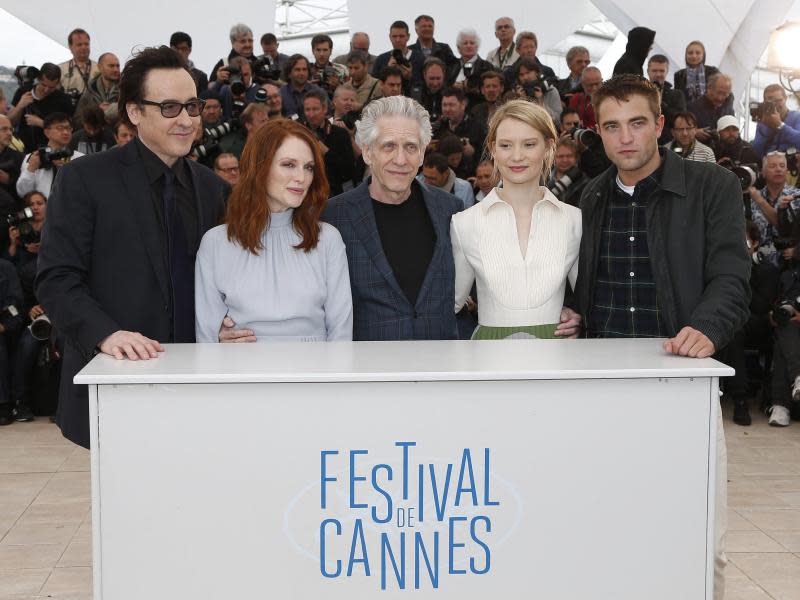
[
  {"x": 401, "y": 60},
  {"x": 47, "y": 156},
  {"x": 468, "y": 67},
  {"x": 748, "y": 174},
  {"x": 41, "y": 328},
  {"x": 266, "y": 69},
  {"x": 791, "y": 160},
  {"x": 23, "y": 221},
  {"x": 785, "y": 309},
  {"x": 26, "y": 76},
  {"x": 439, "y": 125},
  {"x": 261, "y": 96},
  {"x": 560, "y": 185},
  {"x": 209, "y": 146},
  {"x": 235, "y": 81},
  {"x": 349, "y": 119},
  {"x": 585, "y": 137},
  {"x": 758, "y": 110}
]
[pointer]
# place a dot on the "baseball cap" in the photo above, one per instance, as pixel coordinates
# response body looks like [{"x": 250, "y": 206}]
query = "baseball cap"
[{"x": 727, "y": 121}]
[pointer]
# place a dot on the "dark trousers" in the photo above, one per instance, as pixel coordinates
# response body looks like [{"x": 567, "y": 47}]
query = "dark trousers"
[
  {"x": 756, "y": 333},
  {"x": 28, "y": 348},
  {"x": 786, "y": 362},
  {"x": 5, "y": 369}
]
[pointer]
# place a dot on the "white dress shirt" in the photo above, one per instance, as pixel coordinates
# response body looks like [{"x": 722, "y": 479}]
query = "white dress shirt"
[{"x": 516, "y": 290}]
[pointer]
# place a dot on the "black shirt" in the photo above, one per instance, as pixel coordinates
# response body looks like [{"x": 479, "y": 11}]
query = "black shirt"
[
  {"x": 408, "y": 239},
  {"x": 11, "y": 163},
  {"x": 184, "y": 194},
  {"x": 33, "y": 137}
]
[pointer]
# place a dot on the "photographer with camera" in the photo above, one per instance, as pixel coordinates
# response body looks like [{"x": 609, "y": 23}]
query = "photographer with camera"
[
  {"x": 324, "y": 73},
  {"x": 212, "y": 109},
  {"x": 11, "y": 322},
  {"x": 566, "y": 179},
  {"x": 778, "y": 127},
  {"x": 786, "y": 356},
  {"x": 77, "y": 72},
  {"x": 731, "y": 149},
  {"x": 468, "y": 68},
  {"x": 391, "y": 79},
  {"x": 577, "y": 60},
  {"x": 181, "y": 42},
  {"x": 529, "y": 84},
  {"x": 231, "y": 137},
  {"x": 766, "y": 206},
  {"x": 591, "y": 80},
  {"x": 238, "y": 90},
  {"x": 437, "y": 172},
  {"x": 672, "y": 101},
  {"x": 36, "y": 99},
  {"x": 334, "y": 142},
  {"x": 456, "y": 121},
  {"x": 684, "y": 142},
  {"x": 95, "y": 136},
  {"x": 409, "y": 61},
  {"x": 366, "y": 86},
  {"x": 429, "y": 47},
  {"x": 429, "y": 94},
  {"x": 241, "y": 37},
  {"x": 103, "y": 90},
  {"x": 491, "y": 92},
  {"x": 10, "y": 159},
  {"x": 39, "y": 167},
  {"x": 711, "y": 106},
  {"x": 274, "y": 61}
]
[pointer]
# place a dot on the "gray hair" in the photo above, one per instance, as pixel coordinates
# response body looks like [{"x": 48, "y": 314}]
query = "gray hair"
[
  {"x": 505, "y": 19},
  {"x": 717, "y": 78},
  {"x": 574, "y": 51},
  {"x": 239, "y": 30},
  {"x": 468, "y": 32},
  {"x": 393, "y": 106}
]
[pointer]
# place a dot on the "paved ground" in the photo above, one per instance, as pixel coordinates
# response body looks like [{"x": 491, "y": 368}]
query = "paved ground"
[{"x": 45, "y": 522}]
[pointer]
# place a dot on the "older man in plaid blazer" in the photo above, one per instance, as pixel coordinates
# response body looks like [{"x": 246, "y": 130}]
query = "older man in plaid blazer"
[{"x": 397, "y": 231}]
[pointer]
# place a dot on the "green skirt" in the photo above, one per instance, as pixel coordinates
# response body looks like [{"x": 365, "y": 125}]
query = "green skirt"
[{"x": 543, "y": 332}]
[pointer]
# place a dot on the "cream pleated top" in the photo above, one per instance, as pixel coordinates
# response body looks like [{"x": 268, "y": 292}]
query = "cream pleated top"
[{"x": 516, "y": 291}]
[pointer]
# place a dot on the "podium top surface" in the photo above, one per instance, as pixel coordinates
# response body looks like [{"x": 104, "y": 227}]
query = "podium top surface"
[{"x": 331, "y": 362}]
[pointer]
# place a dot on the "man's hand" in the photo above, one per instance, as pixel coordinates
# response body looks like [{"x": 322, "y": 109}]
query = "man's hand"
[
  {"x": 469, "y": 149},
  {"x": 229, "y": 334},
  {"x": 405, "y": 70},
  {"x": 703, "y": 135},
  {"x": 35, "y": 311},
  {"x": 33, "y": 248},
  {"x": 333, "y": 81},
  {"x": 13, "y": 236},
  {"x": 570, "y": 325},
  {"x": 690, "y": 342},
  {"x": 223, "y": 75},
  {"x": 25, "y": 100},
  {"x": 772, "y": 119},
  {"x": 34, "y": 162},
  {"x": 131, "y": 345},
  {"x": 34, "y": 121},
  {"x": 785, "y": 201}
]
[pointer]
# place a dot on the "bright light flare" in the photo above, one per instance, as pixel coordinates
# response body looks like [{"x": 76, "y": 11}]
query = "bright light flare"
[{"x": 784, "y": 48}]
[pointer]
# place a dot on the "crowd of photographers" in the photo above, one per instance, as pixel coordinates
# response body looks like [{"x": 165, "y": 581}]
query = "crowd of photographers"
[{"x": 61, "y": 112}]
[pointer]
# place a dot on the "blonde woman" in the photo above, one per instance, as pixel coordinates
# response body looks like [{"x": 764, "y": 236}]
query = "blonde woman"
[{"x": 520, "y": 243}]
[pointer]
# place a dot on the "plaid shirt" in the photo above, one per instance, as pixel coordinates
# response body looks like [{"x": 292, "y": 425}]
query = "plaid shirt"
[{"x": 625, "y": 301}]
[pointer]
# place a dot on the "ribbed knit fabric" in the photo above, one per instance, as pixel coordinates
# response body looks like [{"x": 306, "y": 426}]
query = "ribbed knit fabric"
[
  {"x": 700, "y": 152},
  {"x": 513, "y": 290}
]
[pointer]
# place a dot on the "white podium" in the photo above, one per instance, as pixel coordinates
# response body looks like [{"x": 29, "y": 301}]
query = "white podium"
[{"x": 567, "y": 469}]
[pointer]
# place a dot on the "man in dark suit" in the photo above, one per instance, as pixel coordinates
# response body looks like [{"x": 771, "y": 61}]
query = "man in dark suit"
[
  {"x": 116, "y": 266},
  {"x": 408, "y": 60},
  {"x": 397, "y": 231}
]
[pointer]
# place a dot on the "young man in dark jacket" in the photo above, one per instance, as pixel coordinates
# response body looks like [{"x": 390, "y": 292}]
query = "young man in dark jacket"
[{"x": 663, "y": 252}]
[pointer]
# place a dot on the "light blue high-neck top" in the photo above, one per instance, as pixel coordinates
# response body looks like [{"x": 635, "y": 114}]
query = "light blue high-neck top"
[{"x": 282, "y": 294}]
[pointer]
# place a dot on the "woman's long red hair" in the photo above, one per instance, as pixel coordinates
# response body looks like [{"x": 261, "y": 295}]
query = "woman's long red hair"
[{"x": 248, "y": 213}]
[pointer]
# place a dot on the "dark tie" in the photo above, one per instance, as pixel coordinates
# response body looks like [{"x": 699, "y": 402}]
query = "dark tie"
[{"x": 181, "y": 267}]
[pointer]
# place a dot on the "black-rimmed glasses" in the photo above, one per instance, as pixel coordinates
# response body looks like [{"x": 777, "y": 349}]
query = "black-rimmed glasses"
[{"x": 171, "y": 109}]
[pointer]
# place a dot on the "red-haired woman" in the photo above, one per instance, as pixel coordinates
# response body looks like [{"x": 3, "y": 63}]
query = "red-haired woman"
[{"x": 273, "y": 267}]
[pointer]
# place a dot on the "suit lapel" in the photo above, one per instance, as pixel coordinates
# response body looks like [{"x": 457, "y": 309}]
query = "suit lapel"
[
  {"x": 441, "y": 235},
  {"x": 367, "y": 231},
  {"x": 137, "y": 194}
]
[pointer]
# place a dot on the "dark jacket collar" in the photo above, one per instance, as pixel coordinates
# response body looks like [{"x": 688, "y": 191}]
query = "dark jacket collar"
[{"x": 155, "y": 167}]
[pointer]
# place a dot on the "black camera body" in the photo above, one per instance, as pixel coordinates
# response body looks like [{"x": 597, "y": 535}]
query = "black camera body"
[
  {"x": 401, "y": 60},
  {"x": 235, "y": 80},
  {"x": 74, "y": 95},
  {"x": 585, "y": 137},
  {"x": 748, "y": 174},
  {"x": 758, "y": 110},
  {"x": 561, "y": 185},
  {"x": 47, "y": 156},
  {"x": 23, "y": 221},
  {"x": 785, "y": 309},
  {"x": 26, "y": 76},
  {"x": 265, "y": 69},
  {"x": 349, "y": 119}
]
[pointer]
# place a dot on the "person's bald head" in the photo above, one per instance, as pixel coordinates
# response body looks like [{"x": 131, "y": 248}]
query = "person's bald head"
[
  {"x": 360, "y": 41},
  {"x": 108, "y": 64}
]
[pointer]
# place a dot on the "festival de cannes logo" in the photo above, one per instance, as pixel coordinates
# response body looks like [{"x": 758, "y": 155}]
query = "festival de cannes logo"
[{"x": 403, "y": 519}]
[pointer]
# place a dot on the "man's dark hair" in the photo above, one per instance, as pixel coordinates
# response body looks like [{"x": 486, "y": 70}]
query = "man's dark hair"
[
  {"x": 321, "y": 38},
  {"x": 75, "y": 32},
  {"x": 437, "y": 161},
  {"x": 568, "y": 111},
  {"x": 290, "y": 64},
  {"x": 319, "y": 94},
  {"x": 753, "y": 232},
  {"x": 526, "y": 63},
  {"x": 658, "y": 58},
  {"x": 119, "y": 123},
  {"x": 55, "y": 117},
  {"x": 433, "y": 62},
  {"x": 131, "y": 83},
  {"x": 269, "y": 38},
  {"x": 94, "y": 116},
  {"x": 456, "y": 93},
  {"x": 690, "y": 119},
  {"x": 450, "y": 144},
  {"x": 399, "y": 25},
  {"x": 423, "y": 18},
  {"x": 180, "y": 37},
  {"x": 390, "y": 72},
  {"x": 50, "y": 71},
  {"x": 358, "y": 56},
  {"x": 622, "y": 87},
  {"x": 491, "y": 74}
]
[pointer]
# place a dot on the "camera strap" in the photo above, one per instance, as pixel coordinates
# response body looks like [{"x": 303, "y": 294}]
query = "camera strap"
[{"x": 372, "y": 91}]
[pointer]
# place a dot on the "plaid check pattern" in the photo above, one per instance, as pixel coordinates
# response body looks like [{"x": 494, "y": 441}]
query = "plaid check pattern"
[{"x": 625, "y": 301}]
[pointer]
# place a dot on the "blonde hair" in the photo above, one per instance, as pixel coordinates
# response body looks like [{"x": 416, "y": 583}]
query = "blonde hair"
[{"x": 531, "y": 114}]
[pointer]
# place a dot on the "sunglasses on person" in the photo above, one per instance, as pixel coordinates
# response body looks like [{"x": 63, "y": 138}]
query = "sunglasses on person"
[{"x": 171, "y": 109}]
